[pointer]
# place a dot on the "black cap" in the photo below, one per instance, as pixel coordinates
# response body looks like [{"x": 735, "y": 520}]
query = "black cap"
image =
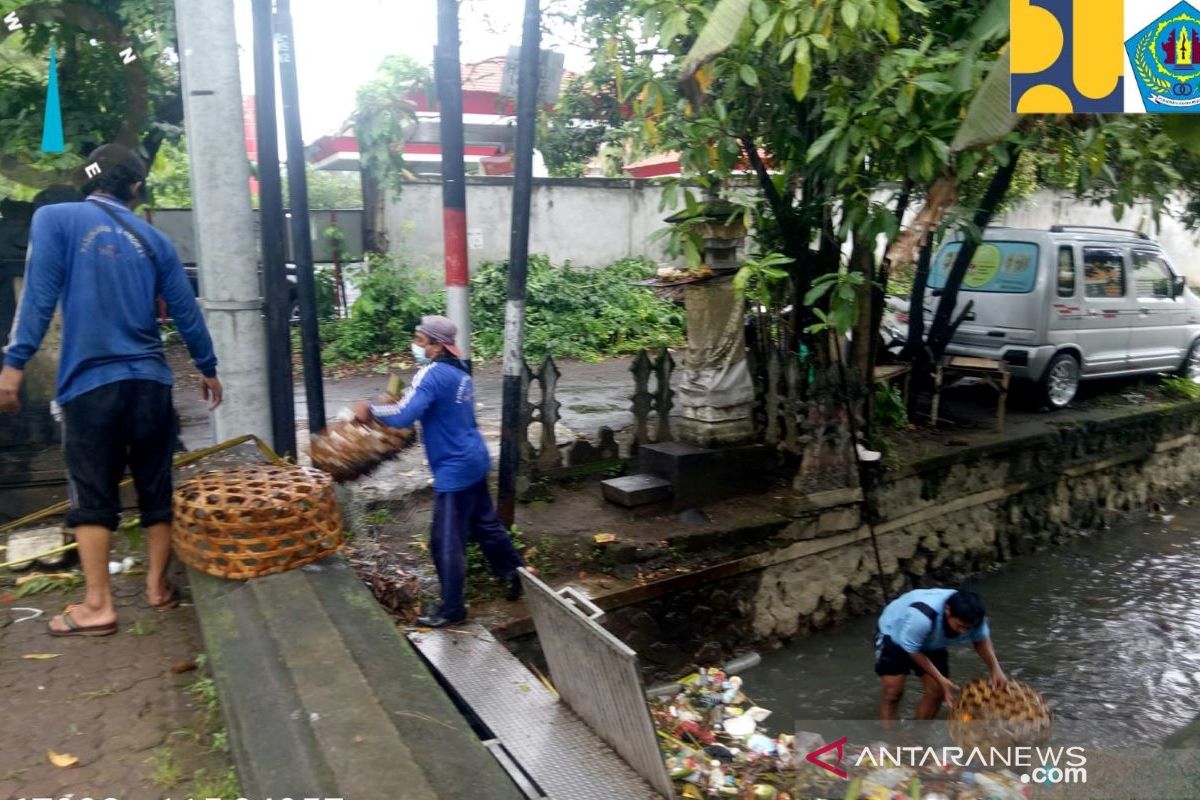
[{"x": 115, "y": 157}]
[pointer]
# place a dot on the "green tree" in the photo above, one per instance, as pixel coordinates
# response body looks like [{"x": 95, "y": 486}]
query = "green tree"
[
  {"x": 98, "y": 103},
  {"x": 383, "y": 116}
]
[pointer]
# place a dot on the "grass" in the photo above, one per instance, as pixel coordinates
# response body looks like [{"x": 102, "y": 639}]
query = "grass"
[
  {"x": 167, "y": 773},
  {"x": 206, "y": 783},
  {"x": 378, "y": 516},
  {"x": 1178, "y": 387}
]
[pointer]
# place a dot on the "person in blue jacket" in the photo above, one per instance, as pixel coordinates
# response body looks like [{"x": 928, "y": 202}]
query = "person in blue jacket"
[
  {"x": 914, "y": 631},
  {"x": 442, "y": 399},
  {"x": 108, "y": 267}
]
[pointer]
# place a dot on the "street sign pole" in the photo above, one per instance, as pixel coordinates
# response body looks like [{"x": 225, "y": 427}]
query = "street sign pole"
[{"x": 454, "y": 189}]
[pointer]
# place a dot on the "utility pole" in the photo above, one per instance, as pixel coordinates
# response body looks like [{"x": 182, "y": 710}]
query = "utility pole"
[
  {"x": 270, "y": 204},
  {"x": 229, "y": 287},
  {"x": 454, "y": 189},
  {"x": 518, "y": 263},
  {"x": 306, "y": 287}
]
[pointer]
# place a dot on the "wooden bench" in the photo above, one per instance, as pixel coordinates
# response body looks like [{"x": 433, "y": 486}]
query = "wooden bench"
[
  {"x": 993, "y": 373},
  {"x": 889, "y": 372}
]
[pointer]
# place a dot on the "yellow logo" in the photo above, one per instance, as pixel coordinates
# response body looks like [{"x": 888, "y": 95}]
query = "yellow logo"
[{"x": 1067, "y": 56}]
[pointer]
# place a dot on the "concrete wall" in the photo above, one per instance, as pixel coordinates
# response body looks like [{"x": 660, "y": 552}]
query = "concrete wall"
[
  {"x": 942, "y": 519},
  {"x": 587, "y": 221},
  {"x": 595, "y": 221}
]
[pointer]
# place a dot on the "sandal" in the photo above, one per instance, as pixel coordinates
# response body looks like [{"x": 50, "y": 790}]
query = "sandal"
[
  {"x": 172, "y": 601},
  {"x": 75, "y": 629}
]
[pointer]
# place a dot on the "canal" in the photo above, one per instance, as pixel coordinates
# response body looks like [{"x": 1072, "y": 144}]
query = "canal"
[{"x": 1106, "y": 627}]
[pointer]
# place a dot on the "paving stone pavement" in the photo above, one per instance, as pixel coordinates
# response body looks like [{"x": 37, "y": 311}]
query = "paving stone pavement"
[{"x": 113, "y": 702}]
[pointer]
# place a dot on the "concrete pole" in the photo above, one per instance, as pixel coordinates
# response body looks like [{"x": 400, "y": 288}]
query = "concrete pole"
[{"x": 225, "y": 246}]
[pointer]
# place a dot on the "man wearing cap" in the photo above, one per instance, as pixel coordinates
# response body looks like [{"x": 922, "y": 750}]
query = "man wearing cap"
[
  {"x": 442, "y": 399},
  {"x": 107, "y": 267}
]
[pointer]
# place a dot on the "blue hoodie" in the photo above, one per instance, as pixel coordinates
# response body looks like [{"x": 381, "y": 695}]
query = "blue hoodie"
[
  {"x": 442, "y": 399},
  {"x": 108, "y": 288}
]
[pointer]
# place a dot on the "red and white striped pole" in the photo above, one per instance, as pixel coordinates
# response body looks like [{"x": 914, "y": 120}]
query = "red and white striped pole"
[{"x": 454, "y": 189}]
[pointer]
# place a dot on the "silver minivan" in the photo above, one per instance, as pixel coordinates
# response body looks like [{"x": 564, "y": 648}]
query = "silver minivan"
[{"x": 1072, "y": 303}]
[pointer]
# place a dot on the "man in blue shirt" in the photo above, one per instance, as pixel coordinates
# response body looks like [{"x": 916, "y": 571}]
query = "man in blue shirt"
[
  {"x": 107, "y": 268},
  {"x": 442, "y": 399},
  {"x": 914, "y": 631}
]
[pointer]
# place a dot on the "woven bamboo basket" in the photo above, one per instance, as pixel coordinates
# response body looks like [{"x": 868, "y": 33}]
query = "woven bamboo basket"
[
  {"x": 348, "y": 449},
  {"x": 250, "y": 521},
  {"x": 982, "y": 717}
]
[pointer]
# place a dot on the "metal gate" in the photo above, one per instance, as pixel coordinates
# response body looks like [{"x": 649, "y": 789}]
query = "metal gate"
[{"x": 596, "y": 674}]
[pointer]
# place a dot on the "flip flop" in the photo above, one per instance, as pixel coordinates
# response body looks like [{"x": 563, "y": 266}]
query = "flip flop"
[
  {"x": 75, "y": 629},
  {"x": 172, "y": 600}
]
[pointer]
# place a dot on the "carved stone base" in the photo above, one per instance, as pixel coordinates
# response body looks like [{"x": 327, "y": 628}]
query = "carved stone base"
[{"x": 716, "y": 434}]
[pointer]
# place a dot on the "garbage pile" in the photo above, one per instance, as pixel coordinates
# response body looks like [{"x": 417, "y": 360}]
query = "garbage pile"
[{"x": 716, "y": 746}]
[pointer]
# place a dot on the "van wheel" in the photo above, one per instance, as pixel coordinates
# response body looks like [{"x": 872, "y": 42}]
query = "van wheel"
[
  {"x": 1191, "y": 364},
  {"x": 1061, "y": 381}
]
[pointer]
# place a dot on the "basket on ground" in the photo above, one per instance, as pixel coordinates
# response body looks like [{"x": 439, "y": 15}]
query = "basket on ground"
[
  {"x": 1014, "y": 716},
  {"x": 348, "y": 449},
  {"x": 249, "y": 521}
]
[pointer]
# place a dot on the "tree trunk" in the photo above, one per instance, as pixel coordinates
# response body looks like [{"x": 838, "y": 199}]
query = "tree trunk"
[
  {"x": 375, "y": 236},
  {"x": 915, "y": 350},
  {"x": 942, "y": 327}
]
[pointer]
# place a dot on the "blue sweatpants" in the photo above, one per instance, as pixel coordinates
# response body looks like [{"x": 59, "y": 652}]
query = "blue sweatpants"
[{"x": 462, "y": 517}]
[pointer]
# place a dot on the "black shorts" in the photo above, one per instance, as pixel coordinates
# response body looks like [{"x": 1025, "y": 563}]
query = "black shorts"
[
  {"x": 892, "y": 659},
  {"x": 118, "y": 425}
]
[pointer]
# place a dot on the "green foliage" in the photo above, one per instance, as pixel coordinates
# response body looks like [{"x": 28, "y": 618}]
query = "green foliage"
[
  {"x": 842, "y": 290},
  {"x": 760, "y": 280},
  {"x": 584, "y": 119},
  {"x": 39, "y": 584},
  {"x": 382, "y": 319},
  {"x": 95, "y": 95},
  {"x": 575, "y": 313},
  {"x": 1180, "y": 387},
  {"x": 170, "y": 182},
  {"x": 888, "y": 413},
  {"x": 384, "y": 114},
  {"x": 207, "y": 783}
]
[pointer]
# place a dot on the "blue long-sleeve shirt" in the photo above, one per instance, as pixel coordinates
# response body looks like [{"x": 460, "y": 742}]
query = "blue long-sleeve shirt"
[
  {"x": 915, "y": 632},
  {"x": 108, "y": 287},
  {"x": 442, "y": 399}
]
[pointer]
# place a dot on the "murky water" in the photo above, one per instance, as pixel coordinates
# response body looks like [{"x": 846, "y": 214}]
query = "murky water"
[{"x": 1107, "y": 628}]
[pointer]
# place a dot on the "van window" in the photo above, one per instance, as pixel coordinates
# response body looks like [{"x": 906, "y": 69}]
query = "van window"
[
  {"x": 1151, "y": 276},
  {"x": 1103, "y": 273},
  {"x": 1009, "y": 267},
  {"x": 1066, "y": 272}
]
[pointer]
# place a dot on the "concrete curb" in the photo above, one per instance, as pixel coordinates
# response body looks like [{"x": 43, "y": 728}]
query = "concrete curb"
[{"x": 322, "y": 696}]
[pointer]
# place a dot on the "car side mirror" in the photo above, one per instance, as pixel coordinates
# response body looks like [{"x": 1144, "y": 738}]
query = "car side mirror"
[{"x": 1178, "y": 284}]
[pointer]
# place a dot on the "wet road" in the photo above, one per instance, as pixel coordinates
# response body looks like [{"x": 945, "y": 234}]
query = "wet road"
[{"x": 1107, "y": 628}]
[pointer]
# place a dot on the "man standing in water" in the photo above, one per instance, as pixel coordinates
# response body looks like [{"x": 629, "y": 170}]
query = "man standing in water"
[{"x": 914, "y": 631}]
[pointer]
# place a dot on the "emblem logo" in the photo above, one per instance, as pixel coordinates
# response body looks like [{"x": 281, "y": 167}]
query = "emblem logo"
[{"x": 1166, "y": 61}]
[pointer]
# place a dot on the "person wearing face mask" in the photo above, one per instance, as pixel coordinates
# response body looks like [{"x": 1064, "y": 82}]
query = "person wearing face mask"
[{"x": 442, "y": 398}]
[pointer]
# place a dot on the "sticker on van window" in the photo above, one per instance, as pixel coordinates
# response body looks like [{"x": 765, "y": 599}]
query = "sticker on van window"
[{"x": 1009, "y": 267}]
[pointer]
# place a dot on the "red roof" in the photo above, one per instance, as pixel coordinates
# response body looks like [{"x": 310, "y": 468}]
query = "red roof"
[{"x": 655, "y": 165}]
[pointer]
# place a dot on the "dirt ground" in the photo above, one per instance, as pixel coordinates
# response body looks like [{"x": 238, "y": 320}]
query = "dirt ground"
[{"x": 134, "y": 712}]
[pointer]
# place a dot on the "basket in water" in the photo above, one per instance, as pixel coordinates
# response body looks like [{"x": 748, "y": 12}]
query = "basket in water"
[
  {"x": 1015, "y": 716},
  {"x": 349, "y": 449},
  {"x": 249, "y": 521}
]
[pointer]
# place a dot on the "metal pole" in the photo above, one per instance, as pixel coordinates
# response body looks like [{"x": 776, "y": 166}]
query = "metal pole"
[
  {"x": 228, "y": 267},
  {"x": 306, "y": 286},
  {"x": 518, "y": 262},
  {"x": 274, "y": 273},
  {"x": 454, "y": 189}
]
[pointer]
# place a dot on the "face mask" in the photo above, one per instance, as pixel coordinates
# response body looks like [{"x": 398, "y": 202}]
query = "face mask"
[{"x": 418, "y": 353}]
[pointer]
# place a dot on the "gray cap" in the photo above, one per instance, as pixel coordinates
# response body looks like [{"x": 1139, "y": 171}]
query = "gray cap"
[{"x": 441, "y": 330}]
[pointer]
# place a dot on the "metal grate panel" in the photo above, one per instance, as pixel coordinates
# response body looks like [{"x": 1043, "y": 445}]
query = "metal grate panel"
[
  {"x": 596, "y": 674},
  {"x": 544, "y": 736}
]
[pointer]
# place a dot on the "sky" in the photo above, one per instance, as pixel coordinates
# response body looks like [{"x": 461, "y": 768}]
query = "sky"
[{"x": 340, "y": 44}]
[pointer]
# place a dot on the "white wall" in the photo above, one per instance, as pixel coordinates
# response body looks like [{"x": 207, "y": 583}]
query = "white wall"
[
  {"x": 1049, "y": 208},
  {"x": 587, "y": 221}
]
